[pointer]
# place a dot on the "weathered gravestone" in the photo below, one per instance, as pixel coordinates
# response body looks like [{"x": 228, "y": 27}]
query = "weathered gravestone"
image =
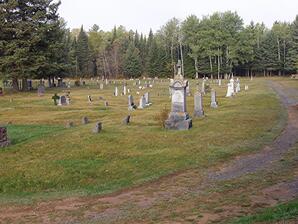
[
  {"x": 142, "y": 103},
  {"x": 126, "y": 120},
  {"x": 4, "y": 141},
  {"x": 62, "y": 101},
  {"x": 213, "y": 99},
  {"x": 116, "y": 91},
  {"x": 85, "y": 120},
  {"x": 230, "y": 91},
  {"x": 69, "y": 124},
  {"x": 147, "y": 99},
  {"x": 131, "y": 104},
  {"x": 178, "y": 118},
  {"x": 106, "y": 103},
  {"x": 237, "y": 89},
  {"x": 97, "y": 128},
  {"x": 41, "y": 90},
  {"x": 246, "y": 87},
  {"x": 198, "y": 102}
]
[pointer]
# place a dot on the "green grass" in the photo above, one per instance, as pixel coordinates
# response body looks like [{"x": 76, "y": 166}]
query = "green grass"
[
  {"x": 282, "y": 212},
  {"x": 46, "y": 160}
]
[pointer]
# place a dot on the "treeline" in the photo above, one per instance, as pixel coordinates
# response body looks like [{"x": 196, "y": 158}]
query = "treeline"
[{"x": 35, "y": 43}]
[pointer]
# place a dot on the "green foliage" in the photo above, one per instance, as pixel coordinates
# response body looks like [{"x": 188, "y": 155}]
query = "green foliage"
[
  {"x": 282, "y": 212},
  {"x": 132, "y": 62},
  {"x": 162, "y": 116},
  {"x": 82, "y": 52}
]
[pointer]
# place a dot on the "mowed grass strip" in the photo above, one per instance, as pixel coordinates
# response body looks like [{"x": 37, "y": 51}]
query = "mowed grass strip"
[{"x": 76, "y": 161}]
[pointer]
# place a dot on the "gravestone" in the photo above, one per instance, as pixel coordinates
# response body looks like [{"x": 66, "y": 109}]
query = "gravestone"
[
  {"x": 85, "y": 120},
  {"x": 219, "y": 82},
  {"x": 101, "y": 86},
  {"x": 188, "y": 90},
  {"x": 142, "y": 103},
  {"x": 69, "y": 124},
  {"x": 89, "y": 99},
  {"x": 1, "y": 91},
  {"x": 97, "y": 128},
  {"x": 131, "y": 104},
  {"x": 147, "y": 99},
  {"x": 126, "y": 120},
  {"x": 124, "y": 89},
  {"x": 116, "y": 91},
  {"x": 203, "y": 87},
  {"x": 62, "y": 101},
  {"x": 246, "y": 87},
  {"x": 106, "y": 103},
  {"x": 41, "y": 90},
  {"x": 178, "y": 118},
  {"x": 198, "y": 102},
  {"x": 237, "y": 89},
  {"x": 213, "y": 99},
  {"x": 230, "y": 91},
  {"x": 4, "y": 141}
]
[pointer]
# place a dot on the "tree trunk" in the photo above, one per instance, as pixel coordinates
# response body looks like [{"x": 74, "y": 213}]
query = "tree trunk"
[
  {"x": 15, "y": 84},
  {"x": 49, "y": 81},
  {"x": 181, "y": 53},
  {"x": 210, "y": 61},
  {"x": 218, "y": 65},
  {"x": 24, "y": 84}
]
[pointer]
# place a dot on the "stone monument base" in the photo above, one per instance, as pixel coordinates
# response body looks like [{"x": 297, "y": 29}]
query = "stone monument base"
[
  {"x": 4, "y": 143},
  {"x": 199, "y": 113},
  {"x": 178, "y": 121}
]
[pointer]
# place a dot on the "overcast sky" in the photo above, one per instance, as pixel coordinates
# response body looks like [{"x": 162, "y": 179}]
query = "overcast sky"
[{"x": 142, "y": 15}]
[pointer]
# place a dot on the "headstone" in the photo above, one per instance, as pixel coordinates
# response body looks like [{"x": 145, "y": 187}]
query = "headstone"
[
  {"x": 107, "y": 82},
  {"x": 89, "y": 99},
  {"x": 142, "y": 103},
  {"x": 97, "y": 128},
  {"x": 1, "y": 91},
  {"x": 246, "y": 87},
  {"x": 41, "y": 90},
  {"x": 85, "y": 120},
  {"x": 131, "y": 104},
  {"x": 219, "y": 82},
  {"x": 198, "y": 102},
  {"x": 178, "y": 118},
  {"x": 230, "y": 91},
  {"x": 147, "y": 99},
  {"x": 116, "y": 91},
  {"x": 4, "y": 141},
  {"x": 126, "y": 120},
  {"x": 69, "y": 124},
  {"x": 124, "y": 89},
  {"x": 237, "y": 89},
  {"x": 188, "y": 90},
  {"x": 62, "y": 101},
  {"x": 203, "y": 87},
  {"x": 106, "y": 103},
  {"x": 213, "y": 99},
  {"x": 101, "y": 86}
]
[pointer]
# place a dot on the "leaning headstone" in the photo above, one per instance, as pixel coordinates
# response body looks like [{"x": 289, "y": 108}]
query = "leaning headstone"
[
  {"x": 97, "y": 128},
  {"x": 178, "y": 118},
  {"x": 4, "y": 141},
  {"x": 69, "y": 124},
  {"x": 41, "y": 90},
  {"x": 198, "y": 102},
  {"x": 126, "y": 120},
  {"x": 213, "y": 99},
  {"x": 62, "y": 101},
  {"x": 89, "y": 99},
  {"x": 85, "y": 120}
]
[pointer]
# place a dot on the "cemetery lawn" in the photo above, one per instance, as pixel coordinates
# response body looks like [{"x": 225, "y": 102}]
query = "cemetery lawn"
[{"x": 47, "y": 160}]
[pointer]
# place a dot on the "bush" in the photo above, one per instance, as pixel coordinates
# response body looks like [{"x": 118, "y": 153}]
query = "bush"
[{"x": 162, "y": 116}]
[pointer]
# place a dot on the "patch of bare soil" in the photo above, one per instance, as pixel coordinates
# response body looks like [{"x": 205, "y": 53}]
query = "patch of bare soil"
[{"x": 171, "y": 198}]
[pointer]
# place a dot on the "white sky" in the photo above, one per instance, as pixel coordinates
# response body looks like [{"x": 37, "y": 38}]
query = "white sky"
[{"x": 142, "y": 15}]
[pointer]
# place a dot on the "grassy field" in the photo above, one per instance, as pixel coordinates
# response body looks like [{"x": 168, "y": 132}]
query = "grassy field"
[{"x": 48, "y": 160}]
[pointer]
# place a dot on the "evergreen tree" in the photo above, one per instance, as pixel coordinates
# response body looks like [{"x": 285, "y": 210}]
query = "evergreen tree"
[
  {"x": 82, "y": 52},
  {"x": 132, "y": 62}
]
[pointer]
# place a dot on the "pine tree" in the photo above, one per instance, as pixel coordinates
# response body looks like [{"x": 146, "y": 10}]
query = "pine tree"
[
  {"x": 82, "y": 52},
  {"x": 132, "y": 62}
]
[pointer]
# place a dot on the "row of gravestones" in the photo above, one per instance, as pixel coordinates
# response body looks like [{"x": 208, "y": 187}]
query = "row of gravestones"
[{"x": 143, "y": 103}]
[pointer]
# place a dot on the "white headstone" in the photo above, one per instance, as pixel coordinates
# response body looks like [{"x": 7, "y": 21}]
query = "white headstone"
[{"x": 213, "y": 99}]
